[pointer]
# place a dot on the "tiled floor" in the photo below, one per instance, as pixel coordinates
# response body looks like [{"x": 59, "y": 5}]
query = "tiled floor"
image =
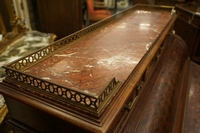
[
  {"x": 30, "y": 42},
  {"x": 27, "y": 44}
]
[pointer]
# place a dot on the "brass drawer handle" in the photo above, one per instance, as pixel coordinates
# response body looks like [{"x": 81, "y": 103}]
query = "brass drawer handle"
[
  {"x": 191, "y": 19},
  {"x": 130, "y": 104}
]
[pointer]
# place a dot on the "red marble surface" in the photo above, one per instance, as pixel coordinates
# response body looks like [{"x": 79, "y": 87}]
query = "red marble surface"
[{"x": 113, "y": 51}]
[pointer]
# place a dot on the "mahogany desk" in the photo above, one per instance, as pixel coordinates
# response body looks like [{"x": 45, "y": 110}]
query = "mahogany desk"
[{"x": 102, "y": 78}]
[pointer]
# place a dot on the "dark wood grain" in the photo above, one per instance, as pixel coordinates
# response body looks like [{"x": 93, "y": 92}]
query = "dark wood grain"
[
  {"x": 187, "y": 27},
  {"x": 61, "y": 17}
]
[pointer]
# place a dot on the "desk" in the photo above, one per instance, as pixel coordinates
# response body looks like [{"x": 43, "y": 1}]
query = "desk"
[{"x": 91, "y": 80}]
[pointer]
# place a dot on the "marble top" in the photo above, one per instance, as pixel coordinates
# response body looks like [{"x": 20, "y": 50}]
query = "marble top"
[{"x": 112, "y": 51}]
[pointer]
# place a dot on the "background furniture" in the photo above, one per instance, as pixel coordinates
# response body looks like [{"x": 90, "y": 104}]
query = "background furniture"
[
  {"x": 159, "y": 2},
  {"x": 97, "y": 14},
  {"x": 122, "y": 4},
  {"x": 169, "y": 2},
  {"x": 11, "y": 26},
  {"x": 139, "y": 1},
  {"x": 4, "y": 127},
  {"x": 187, "y": 26},
  {"x": 61, "y": 17},
  {"x": 100, "y": 4},
  {"x": 6, "y": 20},
  {"x": 16, "y": 41},
  {"x": 107, "y": 3}
]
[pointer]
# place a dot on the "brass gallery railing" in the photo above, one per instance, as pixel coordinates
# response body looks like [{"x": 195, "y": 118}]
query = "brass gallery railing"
[{"x": 80, "y": 99}]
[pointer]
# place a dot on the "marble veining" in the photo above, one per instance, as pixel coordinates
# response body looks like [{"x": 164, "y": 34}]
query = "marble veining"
[{"x": 112, "y": 51}]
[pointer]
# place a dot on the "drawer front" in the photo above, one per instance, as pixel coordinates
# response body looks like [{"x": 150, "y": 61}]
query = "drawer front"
[{"x": 191, "y": 18}]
